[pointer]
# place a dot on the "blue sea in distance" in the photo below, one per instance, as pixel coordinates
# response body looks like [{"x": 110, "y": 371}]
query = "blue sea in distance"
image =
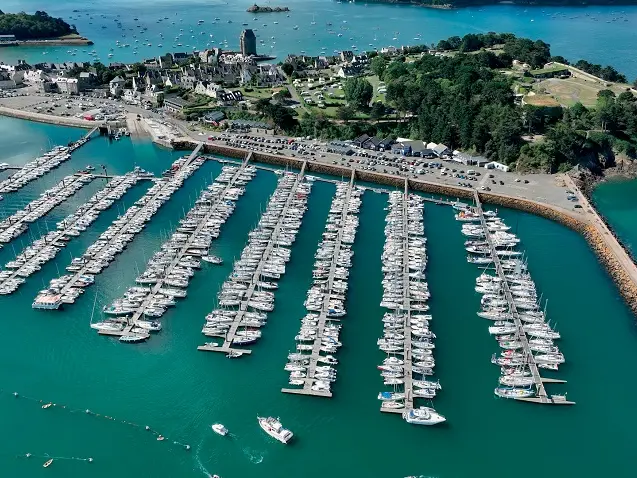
[{"x": 604, "y": 35}]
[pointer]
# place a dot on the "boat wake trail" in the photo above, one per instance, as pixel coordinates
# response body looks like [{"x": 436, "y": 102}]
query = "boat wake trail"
[
  {"x": 200, "y": 465},
  {"x": 253, "y": 455}
]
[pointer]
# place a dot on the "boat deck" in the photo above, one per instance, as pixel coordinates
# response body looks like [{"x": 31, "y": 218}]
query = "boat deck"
[
  {"x": 322, "y": 320},
  {"x": 230, "y": 335}
]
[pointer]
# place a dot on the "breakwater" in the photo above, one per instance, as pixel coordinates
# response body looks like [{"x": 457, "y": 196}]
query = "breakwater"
[
  {"x": 603, "y": 243},
  {"x": 44, "y": 118}
]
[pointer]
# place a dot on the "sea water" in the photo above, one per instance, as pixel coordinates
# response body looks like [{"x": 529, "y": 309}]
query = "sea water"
[
  {"x": 178, "y": 392},
  {"x": 599, "y": 34}
]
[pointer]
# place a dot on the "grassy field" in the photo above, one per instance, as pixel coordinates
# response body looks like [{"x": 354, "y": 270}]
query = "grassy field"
[
  {"x": 259, "y": 93},
  {"x": 375, "y": 82},
  {"x": 569, "y": 91},
  {"x": 541, "y": 100}
]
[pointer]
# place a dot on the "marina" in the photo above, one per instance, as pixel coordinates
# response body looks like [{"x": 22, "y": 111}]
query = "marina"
[
  {"x": 44, "y": 249},
  {"x": 407, "y": 339},
  {"x": 170, "y": 269},
  {"x": 16, "y": 224},
  {"x": 247, "y": 296},
  {"x": 100, "y": 254},
  {"x": 510, "y": 301},
  {"x": 41, "y": 165},
  {"x": 325, "y": 301}
]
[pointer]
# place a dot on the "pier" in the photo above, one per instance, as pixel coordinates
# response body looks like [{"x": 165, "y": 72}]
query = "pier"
[
  {"x": 41, "y": 165},
  {"x": 114, "y": 239},
  {"x": 16, "y": 224},
  {"x": 47, "y": 247},
  {"x": 214, "y": 208},
  {"x": 322, "y": 319},
  {"x": 230, "y": 335},
  {"x": 541, "y": 395}
]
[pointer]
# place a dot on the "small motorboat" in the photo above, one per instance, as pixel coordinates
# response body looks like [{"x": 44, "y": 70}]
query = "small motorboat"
[
  {"x": 212, "y": 259},
  {"x": 47, "y": 405},
  {"x": 234, "y": 354},
  {"x": 48, "y": 463},
  {"x": 219, "y": 429}
]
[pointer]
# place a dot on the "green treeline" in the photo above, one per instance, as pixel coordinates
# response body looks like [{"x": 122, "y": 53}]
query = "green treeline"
[
  {"x": 464, "y": 100},
  {"x": 32, "y": 27}
]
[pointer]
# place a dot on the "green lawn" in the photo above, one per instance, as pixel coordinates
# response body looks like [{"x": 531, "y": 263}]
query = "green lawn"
[
  {"x": 259, "y": 93},
  {"x": 375, "y": 82}
]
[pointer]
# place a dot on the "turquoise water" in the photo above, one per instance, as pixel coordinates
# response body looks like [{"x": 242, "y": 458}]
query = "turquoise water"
[
  {"x": 617, "y": 201},
  {"x": 574, "y": 32},
  {"x": 179, "y": 392}
]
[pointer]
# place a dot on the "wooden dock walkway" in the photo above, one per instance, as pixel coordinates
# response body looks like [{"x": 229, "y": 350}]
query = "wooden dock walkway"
[
  {"x": 542, "y": 396},
  {"x": 69, "y": 186},
  {"x": 243, "y": 307},
  {"x": 139, "y": 313},
  {"x": 142, "y": 211},
  {"x": 58, "y": 238},
  {"x": 406, "y": 310},
  {"x": 322, "y": 320}
]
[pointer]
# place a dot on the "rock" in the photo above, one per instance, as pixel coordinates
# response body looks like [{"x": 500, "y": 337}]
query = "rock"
[{"x": 257, "y": 9}]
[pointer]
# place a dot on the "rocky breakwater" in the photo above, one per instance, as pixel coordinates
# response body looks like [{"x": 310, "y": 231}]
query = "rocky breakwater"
[{"x": 602, "y": 243}]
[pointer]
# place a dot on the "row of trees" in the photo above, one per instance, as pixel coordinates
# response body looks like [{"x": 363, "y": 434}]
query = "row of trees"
[{"x": 37, "y": 26}]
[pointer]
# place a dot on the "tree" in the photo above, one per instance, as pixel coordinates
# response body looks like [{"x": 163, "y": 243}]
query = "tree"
[
  {"x": 345, "y": 113},
  {"x": 287, "y": 68},
  {"x": 378, "y": 65},
  {"x": 358, "y": 92},
  {"x": 378, "y": 111}
]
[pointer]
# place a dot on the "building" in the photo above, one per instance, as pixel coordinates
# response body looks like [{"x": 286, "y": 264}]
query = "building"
[
  {"x": 174, "y": 104},
  {"x": 116, "y": 86},
  {"x": 248, "y": 43},
  {"x": 498, "y": 166},
  {"x": 67, "y": 85}
]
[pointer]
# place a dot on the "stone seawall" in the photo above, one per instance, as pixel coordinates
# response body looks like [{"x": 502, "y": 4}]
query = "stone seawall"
[
  {"x": 594, "y": 237},
  {"x": 50, "y": 119}
]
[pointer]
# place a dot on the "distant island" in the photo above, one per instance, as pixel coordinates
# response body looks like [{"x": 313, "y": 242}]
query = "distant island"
[
  {"x": 39, "y": 28},
  {"x": 34, "y": 27},
  {"x": 449, "y": 4},
  {"x": 257, "y": 9}
]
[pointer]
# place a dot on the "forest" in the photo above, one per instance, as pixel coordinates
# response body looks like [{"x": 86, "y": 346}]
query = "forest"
[{"x": 33, "y": 27}]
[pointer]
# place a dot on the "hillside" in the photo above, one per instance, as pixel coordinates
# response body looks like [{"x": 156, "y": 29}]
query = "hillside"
[{"x": 33, "y": 27}]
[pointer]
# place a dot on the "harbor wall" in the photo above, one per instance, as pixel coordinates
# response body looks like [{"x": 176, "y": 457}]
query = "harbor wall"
[
  {"x": 596, "y": 239},
  {"x": 44, "y": 118}
]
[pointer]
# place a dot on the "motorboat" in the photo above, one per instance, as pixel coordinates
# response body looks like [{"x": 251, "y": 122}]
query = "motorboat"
[
  {"x": 219, "y": 429},
  {"x": 272, "y": 426},
  {"x": 423, "y": 416}
]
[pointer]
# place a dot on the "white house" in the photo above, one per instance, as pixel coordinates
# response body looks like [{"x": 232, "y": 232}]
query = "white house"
[
  {"x": 498, "y": 166},
  {"x": 116, "y": 86}
]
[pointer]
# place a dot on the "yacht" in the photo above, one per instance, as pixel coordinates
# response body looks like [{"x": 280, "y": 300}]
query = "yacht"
[
  {"x": 423, "y": 416},
  {"x": 272, "y": 426},
  {"x": 134, "y": 338}
]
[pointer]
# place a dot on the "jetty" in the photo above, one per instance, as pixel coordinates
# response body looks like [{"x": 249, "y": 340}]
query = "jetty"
[
  {"x": 307, "y": 388},
  {"x": 114, "y": 239},
  {"x": 183, "y": 251},
  {"x": 229, "y": 336},
  {"x": 46, "y": 248},
  {"x": 16, "y": 224},
  {"x": 42, "y": 165},
  {"x": 538, "y": 380}
]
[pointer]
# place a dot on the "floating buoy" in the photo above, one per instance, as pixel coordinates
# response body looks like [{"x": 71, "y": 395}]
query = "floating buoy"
[
  {"x": 187, "y": 447},
  {"x": 28, "y": 455},
  {"x": 87, "y": 411},
  {"x": 15, "y": 394},
  {"x": 90, "y": 460}
]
